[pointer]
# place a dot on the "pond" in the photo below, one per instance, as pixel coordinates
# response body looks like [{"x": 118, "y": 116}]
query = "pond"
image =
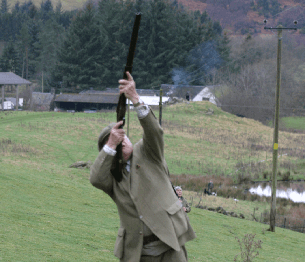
[{"x": 294, "y": 191}]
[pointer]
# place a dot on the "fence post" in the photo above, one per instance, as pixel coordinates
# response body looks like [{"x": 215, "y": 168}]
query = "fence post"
[
  {"x": 284, "y": 222},
  {"x": 303, "y": 227},
  {"x": 261, "y": 217}
]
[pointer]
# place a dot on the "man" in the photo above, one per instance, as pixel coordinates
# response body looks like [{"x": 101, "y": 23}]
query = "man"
[
  {"x": 154, "y": 227},
  {"x": 210, "y": 187},
  {"x": 185, "y": 205}
]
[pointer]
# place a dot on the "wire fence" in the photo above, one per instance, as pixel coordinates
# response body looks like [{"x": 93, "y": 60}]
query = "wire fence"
[{"x": 288, "y": 222}]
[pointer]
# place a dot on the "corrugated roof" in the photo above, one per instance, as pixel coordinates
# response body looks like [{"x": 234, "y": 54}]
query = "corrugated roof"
[
  {"x": 88, "y": 98},
  {"x": 9, "y": 78},
  {"x": 141, "y": 92}
]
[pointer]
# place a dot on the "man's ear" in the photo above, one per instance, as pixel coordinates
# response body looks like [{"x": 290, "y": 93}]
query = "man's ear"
[{"x": 103, "y": 142}]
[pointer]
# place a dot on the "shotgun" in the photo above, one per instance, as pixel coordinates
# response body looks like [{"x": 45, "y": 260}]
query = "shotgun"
[{"x": 117, "y": 164}]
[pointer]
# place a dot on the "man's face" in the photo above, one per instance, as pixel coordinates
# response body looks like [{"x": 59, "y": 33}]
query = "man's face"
[
  {"x": 179, "y": 192},
  {"x": 126, "y": 148}
]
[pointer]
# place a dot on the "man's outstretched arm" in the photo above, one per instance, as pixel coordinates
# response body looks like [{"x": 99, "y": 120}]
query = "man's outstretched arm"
[{"x": 153, "y": 133}]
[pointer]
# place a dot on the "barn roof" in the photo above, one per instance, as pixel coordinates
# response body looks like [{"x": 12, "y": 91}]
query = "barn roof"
[
  {"x": 141, "y": 92},
  {"x": 9, "y": 78},
  {"x": 88, "y": 98}
]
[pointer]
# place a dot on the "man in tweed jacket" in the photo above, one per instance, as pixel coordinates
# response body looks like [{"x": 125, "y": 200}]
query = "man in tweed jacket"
[{"x": 154, "y": 227}]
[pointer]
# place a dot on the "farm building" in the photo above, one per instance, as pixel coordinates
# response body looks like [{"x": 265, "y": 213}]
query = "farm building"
[
  {"x": 206, "y": 95},
  {"x": 81, "y": 102},
  {"x": 191, "y": 93},
  {"x": 101, "y": 100},
  {"x": 10, "y": 79},
  {"x": 42, "y": 101}
]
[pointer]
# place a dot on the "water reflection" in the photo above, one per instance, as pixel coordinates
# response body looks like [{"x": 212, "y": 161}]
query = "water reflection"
[{"x": 292, "y": 191}]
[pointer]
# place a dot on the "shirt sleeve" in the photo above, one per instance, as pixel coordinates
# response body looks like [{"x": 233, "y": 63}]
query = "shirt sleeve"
[
  {"x": 109, "y": 150},
  {"x": 142, "y": 111}
]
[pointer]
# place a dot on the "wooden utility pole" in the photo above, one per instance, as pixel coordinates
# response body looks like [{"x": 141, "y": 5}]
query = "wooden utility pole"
[
  {"x": 27, "y": 63},
  {"x": 276, "y": 132},
  {"x": 276, "y": 127},
  {"x": 17, "y": 96},
  {"x": 31, "y": 97},
  {"x": 2, "y": 97},
  {"x": 160, "y": 107}
]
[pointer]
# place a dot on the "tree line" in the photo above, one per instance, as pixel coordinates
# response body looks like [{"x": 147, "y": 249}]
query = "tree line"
[
  {"x": 246, "y": 86},
  {"x": 87, "y": 48}
]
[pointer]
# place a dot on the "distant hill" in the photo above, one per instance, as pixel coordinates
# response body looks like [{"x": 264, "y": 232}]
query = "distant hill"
[
  {"x": 66, "y": 4},
  {"x": 237, "y": 17},
  {"x": 240, "y": 17}
]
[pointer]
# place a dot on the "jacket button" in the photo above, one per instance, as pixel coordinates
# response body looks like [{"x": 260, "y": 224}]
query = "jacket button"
[
  {"x": 141, "y": 233},
  {"x": 137, "y": 166},
  {"x": 141, "y": 217}
]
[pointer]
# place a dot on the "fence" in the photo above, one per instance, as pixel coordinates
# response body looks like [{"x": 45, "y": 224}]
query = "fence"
[{"x": 288, "y": 222}]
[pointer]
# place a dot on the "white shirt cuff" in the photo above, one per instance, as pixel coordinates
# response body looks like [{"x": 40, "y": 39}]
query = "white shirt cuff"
[
  {"x": 142, "y": 111},
  {"x": 109, "y": 150}
]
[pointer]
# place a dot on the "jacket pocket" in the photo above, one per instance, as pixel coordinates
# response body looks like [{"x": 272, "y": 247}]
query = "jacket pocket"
[
  {"x": 178, "y": 218},
  {"x": 119, "y": 244}
]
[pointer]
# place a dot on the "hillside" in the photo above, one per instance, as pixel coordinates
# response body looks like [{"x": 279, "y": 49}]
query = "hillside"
[
  {"x": 66, "y": 4},
  {"x": 50, "y": 212},
  {"x": 211, "y": 144},
  {"x": 237, "y": 17}
]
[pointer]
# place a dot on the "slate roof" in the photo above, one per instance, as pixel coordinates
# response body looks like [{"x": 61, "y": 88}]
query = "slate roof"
[
  {"x": 104, "y": 98},
  {"x": 9, "y": 78}
]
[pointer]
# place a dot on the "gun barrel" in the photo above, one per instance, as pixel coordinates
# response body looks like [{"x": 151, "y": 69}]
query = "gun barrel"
[{"x": 132, "y": 46}]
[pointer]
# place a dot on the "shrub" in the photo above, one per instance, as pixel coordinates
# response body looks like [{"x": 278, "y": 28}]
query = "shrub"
[
  {"x": 286, "y": 176},
  {"x": 243, "y": 178},
  {"x": 266, "y": 175},
  {"x": 248, "y": 248}
]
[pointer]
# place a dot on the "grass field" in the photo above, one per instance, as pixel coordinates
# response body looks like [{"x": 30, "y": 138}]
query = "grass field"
[
  {"x": 50, "y": 212},
  {"x": 293, "y": 123}
]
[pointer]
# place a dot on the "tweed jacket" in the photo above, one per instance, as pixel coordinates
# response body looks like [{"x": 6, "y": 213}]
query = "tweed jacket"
[{"x": 150, "y": 198}]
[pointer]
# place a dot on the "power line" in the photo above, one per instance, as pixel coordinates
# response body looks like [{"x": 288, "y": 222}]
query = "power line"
[{"x": 285, "y": 10}]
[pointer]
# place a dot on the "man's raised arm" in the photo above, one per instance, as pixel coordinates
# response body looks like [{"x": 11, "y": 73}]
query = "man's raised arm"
[{"x": 153, "y": 133}]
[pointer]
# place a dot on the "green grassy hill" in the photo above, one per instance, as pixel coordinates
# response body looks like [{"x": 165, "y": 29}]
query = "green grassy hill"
[
  {"x": 50, "y": 212},
  {"x": 293, "y": 123}
]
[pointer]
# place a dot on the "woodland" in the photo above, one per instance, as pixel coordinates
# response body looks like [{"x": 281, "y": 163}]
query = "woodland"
[{"x": 87, "y": 48}]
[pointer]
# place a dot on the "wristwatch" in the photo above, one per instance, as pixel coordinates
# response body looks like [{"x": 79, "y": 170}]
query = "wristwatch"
[{"x": 140, "y": 102}]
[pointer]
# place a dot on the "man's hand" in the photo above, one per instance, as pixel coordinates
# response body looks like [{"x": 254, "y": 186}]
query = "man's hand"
[
  {"x": 116, "y": 136},
  {"x": 129, "y": 88}
]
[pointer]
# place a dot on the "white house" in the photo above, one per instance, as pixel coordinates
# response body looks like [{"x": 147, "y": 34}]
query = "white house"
[
  {"x": 206, "y": 94},
  {"x": 152, "y": 100}
]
